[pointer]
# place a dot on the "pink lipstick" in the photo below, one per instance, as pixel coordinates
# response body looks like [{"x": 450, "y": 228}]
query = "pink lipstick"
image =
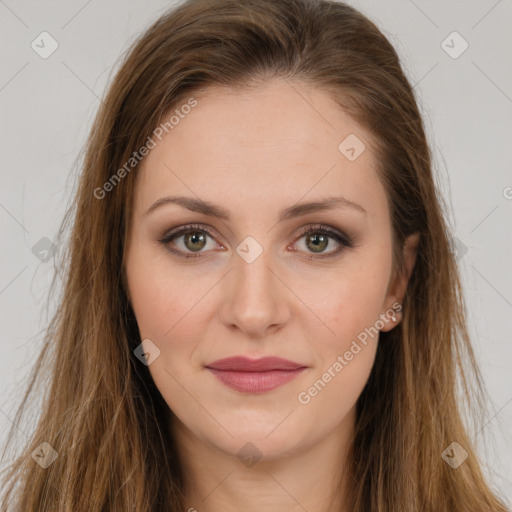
[{"x": 255, "y": 375}]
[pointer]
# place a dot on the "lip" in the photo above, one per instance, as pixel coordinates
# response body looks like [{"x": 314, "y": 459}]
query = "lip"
[
  {"x": 244, "y": 364},
  {"x": 255, "y": 375}
]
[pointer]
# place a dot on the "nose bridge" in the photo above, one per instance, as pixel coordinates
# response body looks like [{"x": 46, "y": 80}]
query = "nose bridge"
[{"x": 256, "y": 295}]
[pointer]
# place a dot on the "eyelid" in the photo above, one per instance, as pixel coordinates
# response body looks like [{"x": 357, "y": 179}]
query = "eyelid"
[
  {"x": 343, "y": 239},
  {"x": 182, "y": 230}
]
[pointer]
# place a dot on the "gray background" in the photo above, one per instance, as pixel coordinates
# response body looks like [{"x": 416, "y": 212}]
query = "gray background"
[{"x": 47, "y": 107}]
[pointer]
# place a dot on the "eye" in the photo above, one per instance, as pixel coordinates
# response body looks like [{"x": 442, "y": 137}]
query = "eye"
[
  {"x": 195, "y": 239},
  {"x": 318, "y": 238}
]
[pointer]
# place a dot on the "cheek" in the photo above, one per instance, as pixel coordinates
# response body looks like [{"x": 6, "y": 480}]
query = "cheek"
[
  {"x": 167, "y": 310},
  {"x": 159, "y": 298},
  {"x": 345, "y": 354},
  {"x": 351, "y": 302},
  {"x": 172, "y": 308},
  {"x": 155, "y": 303}
]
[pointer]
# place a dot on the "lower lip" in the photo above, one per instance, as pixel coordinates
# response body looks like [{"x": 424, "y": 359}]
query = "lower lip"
[{"x": 255, "y": 382}]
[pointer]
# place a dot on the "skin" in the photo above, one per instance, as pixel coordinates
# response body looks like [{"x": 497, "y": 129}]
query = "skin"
[{"x": 255, "y": 152}]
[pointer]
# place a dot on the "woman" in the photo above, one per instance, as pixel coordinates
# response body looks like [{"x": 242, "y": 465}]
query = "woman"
[{"x": 261, "y": 310}]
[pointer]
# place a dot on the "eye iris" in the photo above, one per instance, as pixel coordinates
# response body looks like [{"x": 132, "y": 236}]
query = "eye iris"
[
  {"x": 320, "y": 242},
  {"x": 197, "y": 238}
]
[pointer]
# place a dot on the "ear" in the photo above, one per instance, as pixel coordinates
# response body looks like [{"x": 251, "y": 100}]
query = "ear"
[{"x": 397, "y": 288}]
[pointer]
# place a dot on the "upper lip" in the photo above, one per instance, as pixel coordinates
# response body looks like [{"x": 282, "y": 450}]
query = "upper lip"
[{"x": 244, "y": 364}]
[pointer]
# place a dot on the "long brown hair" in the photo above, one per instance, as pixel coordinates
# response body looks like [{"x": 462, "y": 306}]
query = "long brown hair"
[{"x": 101, "y": 411}]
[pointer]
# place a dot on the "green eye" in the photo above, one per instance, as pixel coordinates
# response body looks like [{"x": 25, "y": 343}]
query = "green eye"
[{"x": 195, "y": 239}]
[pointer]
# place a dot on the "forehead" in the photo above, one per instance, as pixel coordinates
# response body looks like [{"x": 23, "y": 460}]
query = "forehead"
[{"x": 265, "y": 145}]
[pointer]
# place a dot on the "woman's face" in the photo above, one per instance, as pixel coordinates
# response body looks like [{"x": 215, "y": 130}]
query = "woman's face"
[{"x": 253, "y": 284}]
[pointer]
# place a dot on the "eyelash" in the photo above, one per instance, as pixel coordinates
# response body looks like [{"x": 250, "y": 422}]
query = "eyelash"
[{"x": 343, "y": 240}]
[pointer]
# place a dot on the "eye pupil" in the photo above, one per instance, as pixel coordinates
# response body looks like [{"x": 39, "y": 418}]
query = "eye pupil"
[
  {"x": 196, "y": 237},
  {"x": 320, "y": 242}
]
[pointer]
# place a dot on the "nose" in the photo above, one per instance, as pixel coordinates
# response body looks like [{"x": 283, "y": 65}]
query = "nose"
[{"x": 254, "y": 297}]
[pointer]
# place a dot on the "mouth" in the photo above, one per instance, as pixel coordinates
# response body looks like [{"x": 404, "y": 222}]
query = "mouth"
[{"x": 255, "y": 375}]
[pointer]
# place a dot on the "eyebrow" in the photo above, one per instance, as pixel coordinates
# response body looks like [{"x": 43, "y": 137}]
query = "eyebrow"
[{"x": 212, "y": 210}]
